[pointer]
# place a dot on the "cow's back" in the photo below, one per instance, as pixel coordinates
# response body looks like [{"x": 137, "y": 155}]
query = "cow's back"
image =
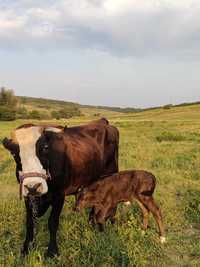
[
  {"x": 107, "y": 137},
  {"x": 92, "y": 151}
]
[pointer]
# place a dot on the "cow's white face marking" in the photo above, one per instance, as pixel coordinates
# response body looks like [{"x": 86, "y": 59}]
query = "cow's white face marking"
[{"x": 27, "y": 138}]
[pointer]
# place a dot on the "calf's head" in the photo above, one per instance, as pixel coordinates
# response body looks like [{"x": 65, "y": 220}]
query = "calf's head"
[
  {"x": 29, "y": 169},
  {"x": 85, "y": 199}
]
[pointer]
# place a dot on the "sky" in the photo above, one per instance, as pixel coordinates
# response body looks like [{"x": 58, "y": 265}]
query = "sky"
[{"x": 127, "y": 53}]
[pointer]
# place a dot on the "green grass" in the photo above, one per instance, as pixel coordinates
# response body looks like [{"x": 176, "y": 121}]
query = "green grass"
[{"x": 165, "y": 142}]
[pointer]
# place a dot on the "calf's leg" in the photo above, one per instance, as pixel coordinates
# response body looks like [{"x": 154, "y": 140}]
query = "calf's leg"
[
  {"x": 91, "y": 219},
  {"x": 155, "y": 210},
  {"x": 100, "y": 217},
  {"x": 145, "y": 215},
  {"x": 111, "y": 215}
]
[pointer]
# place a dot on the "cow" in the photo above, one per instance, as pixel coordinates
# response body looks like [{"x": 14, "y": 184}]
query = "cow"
[
  {"x": 53, "y": 162},
  {"x": 127, "y": 186}
]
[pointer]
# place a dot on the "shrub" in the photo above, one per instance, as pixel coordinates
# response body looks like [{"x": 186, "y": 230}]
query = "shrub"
[
  {"x": 192, "y": 210},
  {"x": 168, "y": 106},
  {"x": 8, "y": 103},
  {"x": 66, "y": 113},
  {"x": 55, "y": 115},
  {"x": 22, "y": 113},
  {"x": 7, "y": 113},
  {"x": 35, "y": 114},
  {"x": 168, "y": 136},
  {"x": 7, "y": 98}
]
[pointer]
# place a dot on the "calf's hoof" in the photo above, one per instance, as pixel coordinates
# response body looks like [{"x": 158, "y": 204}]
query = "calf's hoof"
[
  {"x": 127, "y": 203},
  {"x": 101, "y": 227},
  {"x": 162, "y": 239},
  {"x": 113, "y": 221},
  {"x": 143, "y": 232}
]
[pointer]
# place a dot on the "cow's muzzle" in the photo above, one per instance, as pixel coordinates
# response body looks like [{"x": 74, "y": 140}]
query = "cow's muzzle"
[
  {"x": 33, "y": 190},
  {"x": 33, "y": 183}
]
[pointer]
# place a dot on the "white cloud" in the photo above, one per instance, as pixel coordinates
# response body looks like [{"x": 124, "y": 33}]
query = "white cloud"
[
  {"x": 121, "y": 27},
  {"x": 9, "y": 21}
]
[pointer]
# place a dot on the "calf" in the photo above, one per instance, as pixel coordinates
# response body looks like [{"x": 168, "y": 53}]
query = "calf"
[{"x": 126, "y": 186}]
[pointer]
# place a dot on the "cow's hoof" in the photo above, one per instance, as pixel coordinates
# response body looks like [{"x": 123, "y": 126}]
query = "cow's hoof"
[
  {"x": 51, "y": 253},
  {"x": 24, "y": 252}
]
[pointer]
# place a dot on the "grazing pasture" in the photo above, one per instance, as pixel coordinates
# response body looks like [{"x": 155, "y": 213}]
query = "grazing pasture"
[{"x": 165, "y": 142}]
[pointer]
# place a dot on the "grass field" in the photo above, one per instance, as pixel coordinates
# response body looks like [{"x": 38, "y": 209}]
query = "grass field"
[{"x": 166, "y": 142}]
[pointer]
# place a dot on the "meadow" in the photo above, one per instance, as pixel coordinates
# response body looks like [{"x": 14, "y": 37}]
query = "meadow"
[{"x": 165, "y": 142}]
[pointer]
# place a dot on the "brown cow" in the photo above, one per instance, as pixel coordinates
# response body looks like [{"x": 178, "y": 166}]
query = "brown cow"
[
  {"x": 52, "y": 161},
  {"x": 127, "y": 186}
]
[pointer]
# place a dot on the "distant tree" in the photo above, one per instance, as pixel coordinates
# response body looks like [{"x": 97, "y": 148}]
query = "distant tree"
[
  {"x": 7, "y": 114},
  {"x": 65, "y": 113},
  {"x": 22, "y": 113},
  {"x": 168, "y": 106},
  {"x": 37, "y": 115},
  {"x": 8, "y": 104},
  {"x": 34, "y": 114},
  {"x": 55, "y": 115},
  {"x": 7, "y": 98}
]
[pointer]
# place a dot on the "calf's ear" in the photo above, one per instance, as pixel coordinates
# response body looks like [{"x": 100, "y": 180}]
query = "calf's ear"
[{"x": 85, "y": 190}]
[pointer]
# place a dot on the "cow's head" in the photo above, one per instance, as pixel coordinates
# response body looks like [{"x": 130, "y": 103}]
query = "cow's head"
[{"x": 30, "y": 168}]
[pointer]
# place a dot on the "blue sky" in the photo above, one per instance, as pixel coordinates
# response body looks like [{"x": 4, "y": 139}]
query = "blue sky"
[{"x": 102, "y": 52}]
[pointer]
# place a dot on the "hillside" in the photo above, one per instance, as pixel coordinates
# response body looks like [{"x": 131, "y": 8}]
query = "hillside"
[
  {"x": 192, "y": 110},
  {"x": 165, "y": 142},
  {"x": 49, "y": 105}
]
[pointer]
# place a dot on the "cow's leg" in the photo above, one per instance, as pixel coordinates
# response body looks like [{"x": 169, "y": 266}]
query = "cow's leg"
[
  {"x": 53, "y": 223},
  {"x": 43, "y": 207},
  {"x": 29, "y": 228}
]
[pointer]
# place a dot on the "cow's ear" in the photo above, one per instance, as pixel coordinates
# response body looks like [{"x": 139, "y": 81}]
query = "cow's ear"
[
  {"x": 7, "y": 143},
  {"x": 49, "y": 135}
]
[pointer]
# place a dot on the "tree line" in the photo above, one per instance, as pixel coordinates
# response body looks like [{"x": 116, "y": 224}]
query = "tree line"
[{"x": 11, "y": 108}]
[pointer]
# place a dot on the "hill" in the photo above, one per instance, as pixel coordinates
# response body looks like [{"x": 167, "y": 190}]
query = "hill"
[{"x": 161, "y": 112}]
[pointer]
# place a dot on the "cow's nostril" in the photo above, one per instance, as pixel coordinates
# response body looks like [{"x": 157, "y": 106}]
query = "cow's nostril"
[
  {"x": 36, "y": 186},
  {"x": 30, "y": 189},
  {"x": 33, "y": 189}
]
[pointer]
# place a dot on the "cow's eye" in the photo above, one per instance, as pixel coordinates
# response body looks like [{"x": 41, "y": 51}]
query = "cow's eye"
[{"x": 45, "y": 148}]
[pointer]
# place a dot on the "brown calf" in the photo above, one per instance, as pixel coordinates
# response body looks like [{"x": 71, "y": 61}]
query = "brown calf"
[{"x": 126, "y": 186}]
